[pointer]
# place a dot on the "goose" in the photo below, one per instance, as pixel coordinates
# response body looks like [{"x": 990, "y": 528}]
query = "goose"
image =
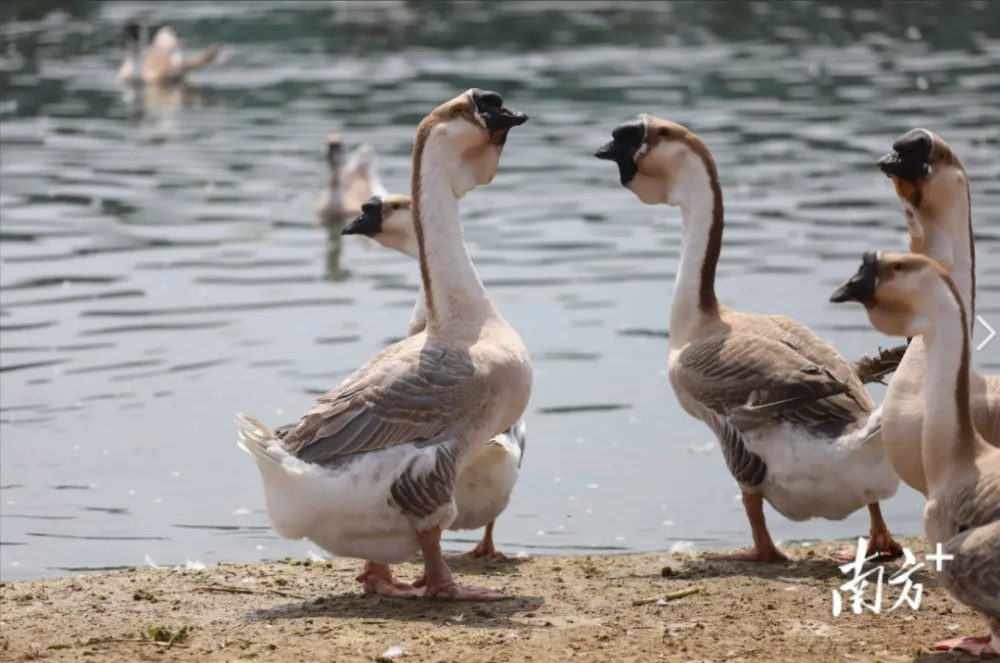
[
  {"x": 933, "y": 190},
  {"x": 349, "y": 184},
  {"x": 908, "y": 294},
  {"x": 160, "y": 61},
  {"x": 793, "y": 420},
  {"x": 369, "y": 471},
  {"x": 484, "y": 486}
]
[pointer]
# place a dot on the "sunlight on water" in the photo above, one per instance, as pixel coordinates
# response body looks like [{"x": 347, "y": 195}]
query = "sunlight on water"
[{"x": 161, "y": 267}]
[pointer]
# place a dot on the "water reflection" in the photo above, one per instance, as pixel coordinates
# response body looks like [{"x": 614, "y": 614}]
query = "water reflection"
[{"x": 162, "y": 266}]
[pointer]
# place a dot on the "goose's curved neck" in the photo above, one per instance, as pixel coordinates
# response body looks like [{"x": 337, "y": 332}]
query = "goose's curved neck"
[
  {"x": 454, "y": 297},
  {"x": 947, "y": 236},
  {"x": 333, "y": 174},
  {"x": 948, "y": 434},
  {"x": 702, "y": 214}
]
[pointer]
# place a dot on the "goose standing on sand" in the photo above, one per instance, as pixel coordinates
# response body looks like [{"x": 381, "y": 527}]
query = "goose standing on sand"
[
  {"x": 908, "y": 294},
  {"x": 933, "y": 190},
  {"x": 370, "y": 470},
  {"x": 485, "y": 485},
  {"x": 349, "y": 184},
  {"x": 161, "y": 61},
  {"x": 793, "y": 420}
]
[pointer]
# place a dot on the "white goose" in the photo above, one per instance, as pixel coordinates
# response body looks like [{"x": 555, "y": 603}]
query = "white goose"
[
  {"x": 793, "y": 419},
  {"x": 484, "y": 487},
  {"x": 349, "y": 184},
  {"x": 161, "y": 61},
  {"x": 370, "y": 470},
  {"x": 908, "y": 294},
  {"x": 933, "y": 190}
]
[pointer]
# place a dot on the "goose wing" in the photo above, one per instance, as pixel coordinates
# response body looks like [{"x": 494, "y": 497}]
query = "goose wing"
[
  {"x": 747, "y": 381},
  {"x": 411, "y": 393}
]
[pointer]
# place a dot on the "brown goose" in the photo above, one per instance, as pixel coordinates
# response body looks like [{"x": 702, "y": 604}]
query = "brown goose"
[
  {"x": 794, "y": 422},
  {"x": 370, "y": 470},
  {"x": 933, "y": 190},
  {"x": 908, "y": 294},
  {"x": 485, "y": 485},
  {"x": 160, "y": 61}
]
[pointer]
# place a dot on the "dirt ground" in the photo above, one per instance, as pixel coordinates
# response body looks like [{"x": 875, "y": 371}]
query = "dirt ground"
[{"x": 560, "y": 609}]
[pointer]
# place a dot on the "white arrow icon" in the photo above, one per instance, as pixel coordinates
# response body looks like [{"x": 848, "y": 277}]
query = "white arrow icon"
[{"x": 989, "y": 338}]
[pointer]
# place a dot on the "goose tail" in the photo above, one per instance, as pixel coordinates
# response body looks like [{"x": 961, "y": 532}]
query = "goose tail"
[{"x": 257, "y": 439}]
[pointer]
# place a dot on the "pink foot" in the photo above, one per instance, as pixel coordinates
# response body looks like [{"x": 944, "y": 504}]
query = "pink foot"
[
  {"x": 377, "y": 579},
  {"x": 765, "y": 555},
  {"x": 485, "y": 547},
  {"x": 977, "y": 645}
]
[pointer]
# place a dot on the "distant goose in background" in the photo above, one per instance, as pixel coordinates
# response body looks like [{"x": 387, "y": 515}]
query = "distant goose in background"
[
  {"x": 160, "y": 61},
  {"x": 349, "y": 184},
  {"x": 907, "y": 294},
  {"x": 485, "y": 485},
  {"x": 793, "y": 420},
  {"x": 370, "y": 470},
  {"x": 933, "y": 189}
]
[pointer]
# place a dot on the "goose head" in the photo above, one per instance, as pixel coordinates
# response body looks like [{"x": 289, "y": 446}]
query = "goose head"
[
  {"x": 930, "y": 182},
  {"x": 467, "y": 135},
  {"x": 659, "y": 160},
  {"x": 135, "y": 33},
  {"x": 899, "y": 291},
  {"x": 333, "y": 150},
  {"x": 389, "y": 221}
]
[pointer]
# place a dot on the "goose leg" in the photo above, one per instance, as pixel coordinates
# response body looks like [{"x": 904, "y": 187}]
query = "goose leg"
[
  {"x": 763, "y": 549},
  {"x": 977, "y": 645},
  {"x": 485, "y": 547},
  {"x": 377, "y": 579},
  {"x": 438, "y": 582},
  {"x": 880, "y": 541}
]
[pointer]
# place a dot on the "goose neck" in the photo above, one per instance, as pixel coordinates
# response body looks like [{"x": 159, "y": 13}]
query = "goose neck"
[
  {"x": 948, "y": 435},
  {"x": 702, "y": 214},
  {"x": 454, "y": 297}
]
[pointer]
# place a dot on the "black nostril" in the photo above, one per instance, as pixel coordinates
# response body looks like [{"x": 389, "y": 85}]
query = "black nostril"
[{"x": 631, "y": 133}]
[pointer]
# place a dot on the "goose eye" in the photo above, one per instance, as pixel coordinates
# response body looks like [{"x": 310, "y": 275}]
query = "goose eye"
[
  {"x": 395, "y": 206},
  {"x": 898, "y": 267},
  {"x": 663, "y": 133}
]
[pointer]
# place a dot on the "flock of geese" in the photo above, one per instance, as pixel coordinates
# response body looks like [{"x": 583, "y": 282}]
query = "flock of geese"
[{"x": 428, "y": 434}]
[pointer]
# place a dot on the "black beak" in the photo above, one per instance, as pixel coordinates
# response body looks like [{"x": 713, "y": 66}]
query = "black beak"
[
  {"x": 495, "y": 115},
  {"x": 370, "y": 221},
  {"x": 910, "y": 156},
  {"x": 333, "y": 151},
  {"x": 860, "y": 287},
  {"x": 132, "y": 30},
  {"x": 625, "y": 142}
]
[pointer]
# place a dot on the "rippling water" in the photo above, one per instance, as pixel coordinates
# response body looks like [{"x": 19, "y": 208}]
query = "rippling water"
[{"x": 161, "y": 269}]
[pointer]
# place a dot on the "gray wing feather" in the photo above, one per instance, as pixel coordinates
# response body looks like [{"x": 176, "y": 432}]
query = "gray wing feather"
[
  {"x": 973, "y": 576},
  {"x": 408, "y": 394}
]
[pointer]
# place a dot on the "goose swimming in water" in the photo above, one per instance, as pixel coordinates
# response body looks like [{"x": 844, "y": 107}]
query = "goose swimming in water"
[
  {"x": 485, "y": 485},
  {"x": 349, "y": 184},
  {"x": 907, "y": 294},
  {"x": 933, "y": 190},
  {"x": 370, "y": 470},
  {"x": 793, "y": 420},
  {"x": 161, "y": 60}
]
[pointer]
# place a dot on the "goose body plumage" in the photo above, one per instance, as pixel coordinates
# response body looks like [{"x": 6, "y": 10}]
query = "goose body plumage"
[
  {"x": 162, "y": 60},
  {"x": 795, "y": 424},
  {"x": 485, "y": 485},
  {"x": 911, "y": 295},
  {"x": 370, "y": 470}
]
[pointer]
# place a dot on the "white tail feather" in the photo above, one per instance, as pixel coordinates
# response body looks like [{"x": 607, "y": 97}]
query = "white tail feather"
[{"x": 256, "y": 439}]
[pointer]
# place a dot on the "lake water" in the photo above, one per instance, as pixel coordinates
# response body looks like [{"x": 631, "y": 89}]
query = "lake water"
[{"x": 161, "y": 269}]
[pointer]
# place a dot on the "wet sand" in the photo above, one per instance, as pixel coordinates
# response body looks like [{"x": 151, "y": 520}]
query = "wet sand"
[{"x": 559, "y": 609}]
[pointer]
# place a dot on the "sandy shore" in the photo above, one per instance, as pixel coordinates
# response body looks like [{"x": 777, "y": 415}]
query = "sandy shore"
[{"x": 560, "y": 609}]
